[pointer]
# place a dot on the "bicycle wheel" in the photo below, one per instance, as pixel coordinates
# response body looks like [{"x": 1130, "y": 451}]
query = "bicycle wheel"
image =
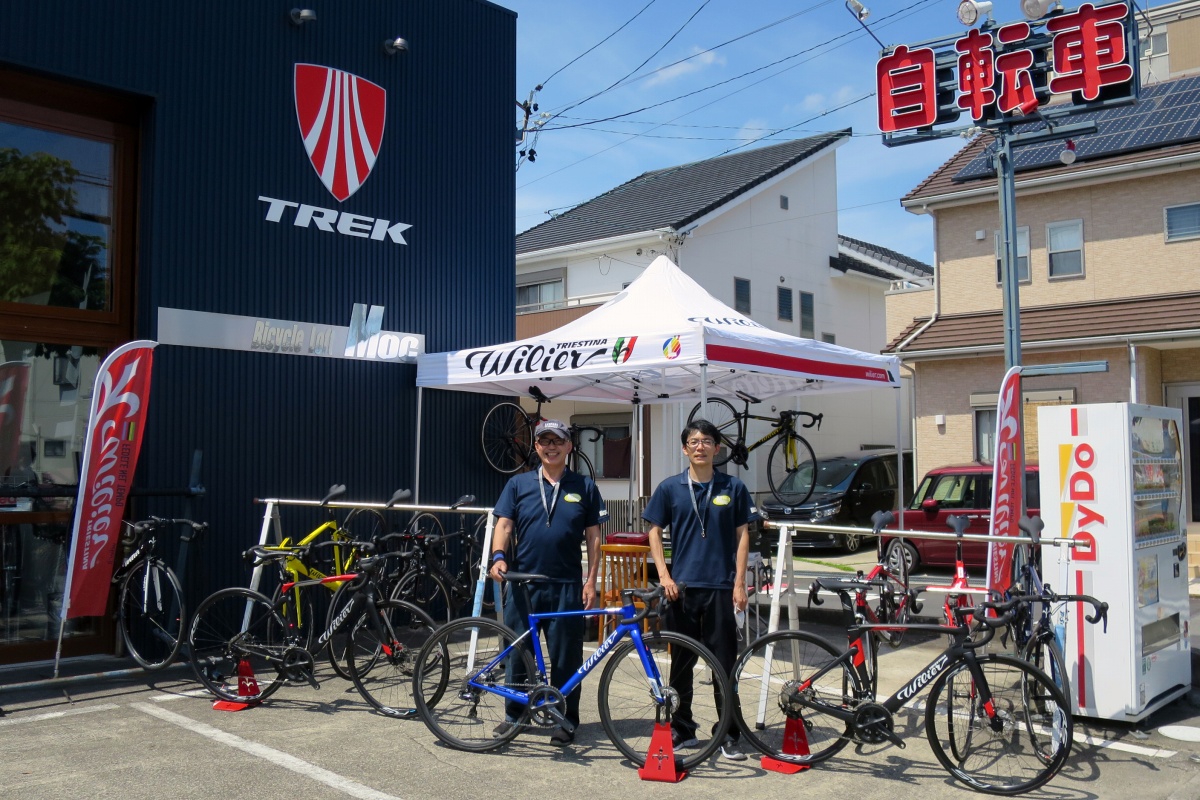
[
  {"x": 453, "y": 672},
  {"x": 720, "y": 413},
  {"x": 1020, "y": 746},
  {"x": 578, "y": 462},
  {"x": 791, "y": 469},
  {"x": 364, "y": 525},
  {"x": 895, "y": 605},
  {"x": 771, "y": 678},
  {"x": 1043, "y": 652},
  {"x": 235, "y": 631},
  {"x": 382, "y": 671},
  {"x": 150, "y": 614},
  {"x": 336, "y": 651},
  {"x": 628, "y": 712},
  {"x": 507, "y": 438},
  {"x": 426, "y": 590}
]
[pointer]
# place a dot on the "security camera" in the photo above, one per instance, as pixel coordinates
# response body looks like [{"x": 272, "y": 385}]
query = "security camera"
[{"x": 397, "y": 45}]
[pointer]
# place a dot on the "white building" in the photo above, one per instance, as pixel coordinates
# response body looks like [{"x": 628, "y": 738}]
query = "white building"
[{"x": 758, "y": 230}]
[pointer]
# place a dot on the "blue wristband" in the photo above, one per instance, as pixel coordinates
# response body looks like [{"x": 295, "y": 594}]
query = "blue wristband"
[{"x": 499, "y": 556}]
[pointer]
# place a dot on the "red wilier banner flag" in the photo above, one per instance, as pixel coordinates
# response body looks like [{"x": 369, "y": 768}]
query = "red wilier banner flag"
[
  {"x": 110, "y": 452},
  {"x": 1008, "y": 484},
  {"x": 14, "y": 381}
]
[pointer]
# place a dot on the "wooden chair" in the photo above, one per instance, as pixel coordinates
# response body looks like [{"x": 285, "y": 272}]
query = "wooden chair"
[{"x": 623, "y": 566}]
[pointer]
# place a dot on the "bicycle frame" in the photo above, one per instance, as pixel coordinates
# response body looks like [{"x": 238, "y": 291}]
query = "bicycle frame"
[{"x": 634, "y": 629}]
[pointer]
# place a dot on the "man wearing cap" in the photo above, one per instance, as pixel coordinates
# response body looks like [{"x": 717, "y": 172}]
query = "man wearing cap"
[{"x": 542, "y": 518}]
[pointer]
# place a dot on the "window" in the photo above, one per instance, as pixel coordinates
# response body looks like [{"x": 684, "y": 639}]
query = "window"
[
  {"x": 741, "y": 295},
  {"x": 828, "y": 338},
  {"x": 1022, "y": 256},
  {"x": 1064, "y": 247},
  {"x": 540, "y": 296},
  {"x": 784, "y": 302},
  {"x": 985, "y": 434},
  {"x": 1182, "y": 222},
  {"x": 808, "y": 323},
  {"x": 783, "y": 202},
  {"x": 1155, "y": 57},
  {"x": 611, "y": 452}
]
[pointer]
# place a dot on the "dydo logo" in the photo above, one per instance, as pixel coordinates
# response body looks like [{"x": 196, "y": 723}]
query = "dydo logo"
[
  {"x": 341, "y": 118},
  {"x": 1078, "y": 498}
]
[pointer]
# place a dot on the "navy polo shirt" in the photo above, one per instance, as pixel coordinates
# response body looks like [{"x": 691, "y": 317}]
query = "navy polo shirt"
[
  {"x": 554, "y": 550},
  {"x": 704, "y": 561}
]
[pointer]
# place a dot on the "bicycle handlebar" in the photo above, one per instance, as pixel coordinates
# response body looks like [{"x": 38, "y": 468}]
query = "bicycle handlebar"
[
  {"x": 1100, "y": 608},
  {"x": 260, "y": 554}
]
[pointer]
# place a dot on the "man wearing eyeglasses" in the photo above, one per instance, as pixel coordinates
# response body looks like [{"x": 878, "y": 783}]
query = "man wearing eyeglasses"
[
  {"x": 708, "y": 513},
  {"x": 542, "y": 518}
]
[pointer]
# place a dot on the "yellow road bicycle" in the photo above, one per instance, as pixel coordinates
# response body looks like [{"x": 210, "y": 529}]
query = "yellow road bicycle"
[{"x": 301, "y": 564}]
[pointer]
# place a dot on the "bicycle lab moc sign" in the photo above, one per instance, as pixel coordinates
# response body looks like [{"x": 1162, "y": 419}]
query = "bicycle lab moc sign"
[
  {"x": 110, "y": 454},
  {"x": 341, "y": 118},
  {"x": 362, "y": 340},
  {"x": 1005, "y": 74}
]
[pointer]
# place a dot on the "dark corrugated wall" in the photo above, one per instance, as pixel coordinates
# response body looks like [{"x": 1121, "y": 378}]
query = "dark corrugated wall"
[{"x": 220, "y": 131}]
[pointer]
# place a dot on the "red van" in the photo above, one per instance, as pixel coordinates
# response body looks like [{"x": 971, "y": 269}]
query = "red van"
[{"x": 946, "y": 491}]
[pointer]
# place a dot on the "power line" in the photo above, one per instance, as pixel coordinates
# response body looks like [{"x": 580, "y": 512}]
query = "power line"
[{"x": 597, "y": 44}]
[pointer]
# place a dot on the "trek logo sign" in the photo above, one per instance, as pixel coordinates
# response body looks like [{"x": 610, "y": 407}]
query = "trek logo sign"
[{"x": 341, "y": 118}]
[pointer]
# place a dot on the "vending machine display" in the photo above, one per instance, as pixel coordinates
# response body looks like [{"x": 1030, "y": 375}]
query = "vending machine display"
[{"x": 1112, "y": 479}]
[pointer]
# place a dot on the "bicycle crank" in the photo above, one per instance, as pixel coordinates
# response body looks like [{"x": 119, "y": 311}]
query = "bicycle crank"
[
  {"x": 297, "y": 666},
  {"x": 873, "y": 724},
  {"x": 547, "y": 706}
]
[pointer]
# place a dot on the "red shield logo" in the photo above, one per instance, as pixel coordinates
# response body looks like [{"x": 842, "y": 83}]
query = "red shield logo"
[{"x": 341, "y": 119}]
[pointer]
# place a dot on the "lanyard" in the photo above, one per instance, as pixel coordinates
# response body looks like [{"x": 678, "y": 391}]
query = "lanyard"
[
  {"x": 553, "y": 498},
  {"x": 703, "y": 502}
]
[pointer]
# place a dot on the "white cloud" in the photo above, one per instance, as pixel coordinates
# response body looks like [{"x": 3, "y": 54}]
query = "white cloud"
[{"x": 699, "y": 60}]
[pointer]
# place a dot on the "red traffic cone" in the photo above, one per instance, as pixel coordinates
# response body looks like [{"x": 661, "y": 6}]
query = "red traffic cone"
[
  {"x": 660, "y": 759},
  {"x": 247, "y": 687},
  {"x": 795, "y": 743}
]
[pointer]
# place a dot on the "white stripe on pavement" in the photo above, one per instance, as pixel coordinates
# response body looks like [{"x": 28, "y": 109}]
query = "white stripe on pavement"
[
  {"x": 270, "y": 754},
  {"x": 1153, "y": 752},
  {"x": 55, "y": 714}
]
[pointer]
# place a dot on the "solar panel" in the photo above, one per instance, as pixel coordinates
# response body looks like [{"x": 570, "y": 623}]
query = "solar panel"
[{"x": 1167, "y": 113}]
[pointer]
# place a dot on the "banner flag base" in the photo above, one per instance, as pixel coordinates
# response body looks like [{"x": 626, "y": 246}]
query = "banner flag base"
[
  {"x": 247, "y": 687},
  {"x": 660, "y": 759},
  {"x": 795, "y": 743}
]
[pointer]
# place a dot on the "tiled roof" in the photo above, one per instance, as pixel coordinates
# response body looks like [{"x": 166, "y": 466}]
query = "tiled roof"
[
  {"x": 672, "y": 197},
  {"x": 846, "y": 263},
  {"x": 1164, "y": 122},
  {"x": 892, "y": 257},
  {"x": 1157, "y": 314}
]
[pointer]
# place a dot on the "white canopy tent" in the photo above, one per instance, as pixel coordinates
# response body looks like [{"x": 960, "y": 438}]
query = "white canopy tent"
[{"x": 664, "y": 339}]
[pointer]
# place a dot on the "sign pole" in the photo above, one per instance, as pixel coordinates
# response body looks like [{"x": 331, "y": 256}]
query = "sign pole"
[{"x": 1010, "y": 279}]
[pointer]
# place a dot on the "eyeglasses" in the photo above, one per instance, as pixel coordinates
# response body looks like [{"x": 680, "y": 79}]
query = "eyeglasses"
[
  {"x": 697, "y": 443},
  {"x": 547, "y": 441}
]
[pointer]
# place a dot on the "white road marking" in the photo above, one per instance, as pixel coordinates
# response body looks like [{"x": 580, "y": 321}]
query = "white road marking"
[
  {"x": 163, "y": 698},
  {"x": 266, "y": 753},
  {"x": 1153, "y": 752},
  {"x": 55, "y": 714}
]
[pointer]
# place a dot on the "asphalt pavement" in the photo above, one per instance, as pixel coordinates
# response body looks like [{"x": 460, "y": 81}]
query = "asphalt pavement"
[{"x": 148, "y": 736}]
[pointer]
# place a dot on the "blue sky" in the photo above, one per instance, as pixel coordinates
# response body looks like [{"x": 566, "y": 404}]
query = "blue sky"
[{"x": 824, "y": 82}]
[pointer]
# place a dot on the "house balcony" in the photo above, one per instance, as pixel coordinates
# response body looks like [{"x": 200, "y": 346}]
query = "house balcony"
[{"x": 538, "y": 318}]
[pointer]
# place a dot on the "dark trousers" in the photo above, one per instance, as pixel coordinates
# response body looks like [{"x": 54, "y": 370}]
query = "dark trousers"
[
  {"x": 706, "y": 615},
  {"x": 564, "y": 637}
]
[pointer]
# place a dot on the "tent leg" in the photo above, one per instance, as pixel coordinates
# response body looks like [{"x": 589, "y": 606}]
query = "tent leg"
[{"x": 417, "y": 451}]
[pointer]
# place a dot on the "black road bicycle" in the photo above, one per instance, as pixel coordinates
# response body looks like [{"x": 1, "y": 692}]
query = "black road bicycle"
[
  {"x": 507, "y": 438},
  {"x": 150, "y": 605},
  {"x": 791, "y": 464}
]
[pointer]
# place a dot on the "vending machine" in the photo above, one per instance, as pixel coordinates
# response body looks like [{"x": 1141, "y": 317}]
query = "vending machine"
[{"x": 1112, "y": 478}]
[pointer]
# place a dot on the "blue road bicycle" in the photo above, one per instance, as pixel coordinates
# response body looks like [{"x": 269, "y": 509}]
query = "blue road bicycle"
[{"x": 471, "y": 668}]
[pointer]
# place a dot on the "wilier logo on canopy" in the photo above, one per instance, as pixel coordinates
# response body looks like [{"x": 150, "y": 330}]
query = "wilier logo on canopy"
[
  {"x": 341, "y": 118},
  {"x": 623, "y": 349}
]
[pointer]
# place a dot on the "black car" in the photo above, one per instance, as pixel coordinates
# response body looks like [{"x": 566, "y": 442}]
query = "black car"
[{"x": 849, "y": 489}]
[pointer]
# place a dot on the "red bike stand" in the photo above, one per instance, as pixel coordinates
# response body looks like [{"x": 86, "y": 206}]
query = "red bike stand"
[
  {"x": 795, "y": 743},
  {"x": 660, "y": 760},
  {"x": 247, "y": 687}
]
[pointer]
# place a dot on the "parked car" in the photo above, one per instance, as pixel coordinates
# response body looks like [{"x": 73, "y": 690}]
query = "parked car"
[
  {"x": 849, "y": 489},
  {"x": 946, "y": 491}
]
